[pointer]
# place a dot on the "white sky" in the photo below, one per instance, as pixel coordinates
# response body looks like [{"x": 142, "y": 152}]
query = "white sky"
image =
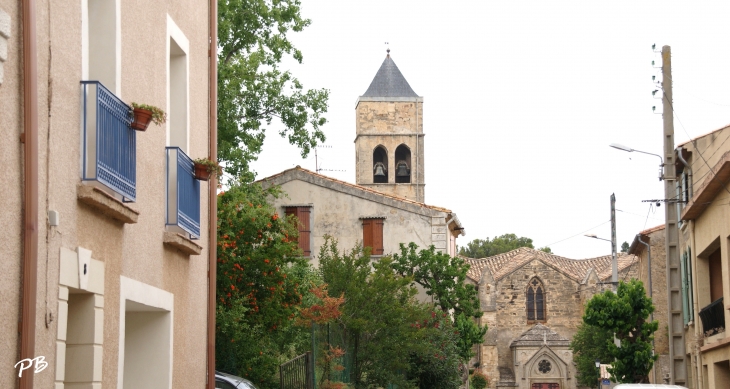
[{"x": 522, "y": 99}]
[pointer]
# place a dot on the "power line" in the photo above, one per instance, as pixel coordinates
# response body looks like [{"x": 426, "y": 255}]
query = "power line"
[{"x": 573, "y": 236}]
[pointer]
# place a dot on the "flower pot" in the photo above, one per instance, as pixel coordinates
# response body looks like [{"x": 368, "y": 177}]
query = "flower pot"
[
  {"x": 201, "y": 172},
  {"x": 142, "y": 118}
]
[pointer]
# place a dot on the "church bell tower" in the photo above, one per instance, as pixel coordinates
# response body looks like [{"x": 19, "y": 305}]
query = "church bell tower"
[{"x": 389, "y": 135}]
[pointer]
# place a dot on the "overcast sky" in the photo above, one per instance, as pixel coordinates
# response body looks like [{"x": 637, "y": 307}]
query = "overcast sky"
[{"x": 521, "y": 100}]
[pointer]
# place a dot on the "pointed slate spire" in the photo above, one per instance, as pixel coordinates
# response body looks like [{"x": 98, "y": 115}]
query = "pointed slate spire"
[{"x": 389, "y": 82}]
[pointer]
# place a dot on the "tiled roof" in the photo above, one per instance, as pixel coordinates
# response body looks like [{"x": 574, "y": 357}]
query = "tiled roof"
[
  {"x": 538, "y": 335},
  {"x": 576, "y": 269},
  {"x": 389, "y": 82},
  {"x": 291, "y": 174},
  {"x": 636, "y": 247},
  {"x": 358, "y": 187}
]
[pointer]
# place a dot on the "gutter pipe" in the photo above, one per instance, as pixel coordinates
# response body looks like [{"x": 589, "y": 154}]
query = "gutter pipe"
[
  {"x": 686, "y": 165},
  {"x": 30, "y": 186},
  {"x": 651, "y": 315},
  {"x": 213, "y": 183}
]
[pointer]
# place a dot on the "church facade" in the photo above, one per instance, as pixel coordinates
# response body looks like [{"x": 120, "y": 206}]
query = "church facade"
[{"x": 533, "y": 303}]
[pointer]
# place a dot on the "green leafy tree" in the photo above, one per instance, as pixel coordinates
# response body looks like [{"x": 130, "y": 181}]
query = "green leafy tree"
[
  {"x": 546, "y": 249},
  {"x": 625, "y": 247},
  {"x": 259, "y": 287},
  {"x": 252, "y": 90},
  {"x": 624, "y": 314},
  {"x": 590, "y": 344},
  {"x": 385, "y": 328},
  {"x": 444, "y": 278},
  {"x": 482, "y": 248}
]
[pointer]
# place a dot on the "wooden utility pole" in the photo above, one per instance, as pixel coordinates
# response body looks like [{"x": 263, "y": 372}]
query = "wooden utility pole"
[{"x": 677, "y": 353}]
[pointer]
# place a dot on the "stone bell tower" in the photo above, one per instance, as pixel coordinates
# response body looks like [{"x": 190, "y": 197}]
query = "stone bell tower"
[{"x": 389, "y": 135}]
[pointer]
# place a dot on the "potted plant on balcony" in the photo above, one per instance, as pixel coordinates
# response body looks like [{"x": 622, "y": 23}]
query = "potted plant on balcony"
[
  {"x": 204, "y": 168},
  {"x": 144, "y": 113}
]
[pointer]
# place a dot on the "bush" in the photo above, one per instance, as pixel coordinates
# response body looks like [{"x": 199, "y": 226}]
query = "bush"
[{"x": 479, "y": 380}]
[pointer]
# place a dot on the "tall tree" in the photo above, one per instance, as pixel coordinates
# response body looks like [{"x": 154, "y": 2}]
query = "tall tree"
[
  {"x": 482, "y": 248},
  {"x": 261, "y": 280},
  {"x": 625, "y": 247},
  {"x": 590, "y": 344},
  {"x": 444, "y": 278},
  {"x": 252, "y": 90},
  {"x": 393, "y": 340},
  {"x": 624, "y": 314}
]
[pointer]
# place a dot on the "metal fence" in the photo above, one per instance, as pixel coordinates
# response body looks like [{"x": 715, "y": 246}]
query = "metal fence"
[
  {"x": 109, "y": 145},
  {"x": 183, "y": 193},
  {"x": 297, "y": 373}
]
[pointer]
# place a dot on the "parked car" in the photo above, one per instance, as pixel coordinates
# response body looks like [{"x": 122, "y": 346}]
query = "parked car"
[
  {"x": 647, "y": 386},
  {"x": 229, "y": 381}
]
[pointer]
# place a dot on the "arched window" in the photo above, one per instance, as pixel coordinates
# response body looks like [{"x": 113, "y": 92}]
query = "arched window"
[
  {"x": 380, "y": 165},
  {"x": 535, "y": 300},
  {"x": 402, "y": 164}
]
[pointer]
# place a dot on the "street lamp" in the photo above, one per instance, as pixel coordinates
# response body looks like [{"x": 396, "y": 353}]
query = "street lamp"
[
  {"x": 630, "y": 150},
  {"x": 595, "y": 237},
  {"x": 598, "y": 367}
]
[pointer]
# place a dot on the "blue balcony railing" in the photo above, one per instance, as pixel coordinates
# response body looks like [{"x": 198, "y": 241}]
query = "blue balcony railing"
[
  {"x": 109, "y": 145},
  {"x": 183, "y": 194}
]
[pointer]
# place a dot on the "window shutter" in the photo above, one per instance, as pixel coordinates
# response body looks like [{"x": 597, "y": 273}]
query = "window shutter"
[
  {"x": 367, "y": 233},
  {"x": 378, "y": 236},
  {"x": 372, "y": 235},
  {"x": 685, "y": 295},
  {"x": 689, "y": 284},
  {"x": 302, "y": 213}
]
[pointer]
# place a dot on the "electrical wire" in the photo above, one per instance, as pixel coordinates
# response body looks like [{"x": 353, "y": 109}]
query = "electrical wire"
[{"x": 573, "y": 236}]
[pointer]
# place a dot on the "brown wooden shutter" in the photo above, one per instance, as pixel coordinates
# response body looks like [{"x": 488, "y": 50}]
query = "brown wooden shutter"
[
  {"x": 303, "y": 226},
  {"x": 378, "y": 236},
  {"x": 304, "y": 229},
  {"x": 367, "y": 233},
  {"x": 372, "y": 235}
]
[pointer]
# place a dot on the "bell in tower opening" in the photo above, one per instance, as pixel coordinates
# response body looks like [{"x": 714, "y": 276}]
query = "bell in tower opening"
[
  {"x": 402, "y": 165},
  {"x": 380, "y": 165}
]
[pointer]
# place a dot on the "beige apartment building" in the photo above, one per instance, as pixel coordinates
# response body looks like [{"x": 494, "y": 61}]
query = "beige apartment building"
[
  {"x": 703, "y": 194},
  {"x": 105, "y": 255}
]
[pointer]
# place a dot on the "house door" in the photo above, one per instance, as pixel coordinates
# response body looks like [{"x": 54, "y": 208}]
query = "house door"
[{"x": 545, "y": 386}]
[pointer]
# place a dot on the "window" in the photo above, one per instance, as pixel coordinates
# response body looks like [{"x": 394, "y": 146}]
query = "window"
[
  {"x": 380, "y": 165},
  {"x": 535, "y": 300},
  {"x": 101, "y": 43},
  {"x": 686, "y": 270},
  {"x": 303, "y": 215},
  {"x": 372, "y": 234},
  {"x": 177, "y": 87},
  {"x": 402, "y": 164},
  {"x": 715, "y": 276}
]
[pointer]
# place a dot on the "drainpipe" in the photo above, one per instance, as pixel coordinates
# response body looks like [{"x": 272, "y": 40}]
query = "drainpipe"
[
  {"x": 686, "y": 165},
  {"x": 651, "y": 292},
  {"x": 30, "y": 222},
  {"x": 213, "y": 183}
]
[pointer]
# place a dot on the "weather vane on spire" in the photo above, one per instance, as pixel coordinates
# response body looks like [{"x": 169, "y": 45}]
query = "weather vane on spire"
[{"x": 388, "y": 49}]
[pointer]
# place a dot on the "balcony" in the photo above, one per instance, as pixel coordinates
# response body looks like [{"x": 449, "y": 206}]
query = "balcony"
[
  {"x": 183, "y": 194},
  {"x": 109, "y": 145},
  {"x": 713, "y": 318}
]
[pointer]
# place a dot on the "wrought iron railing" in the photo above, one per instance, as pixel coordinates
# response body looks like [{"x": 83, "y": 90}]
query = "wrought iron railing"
[
  {"x": 183, "y": 194},
  {"x": 713, "y": 317},
  {"x": 297, "y": 373},
  {"x": 109, "y": 145}
]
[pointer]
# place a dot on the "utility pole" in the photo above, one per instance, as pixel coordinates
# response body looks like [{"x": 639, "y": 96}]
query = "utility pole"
[
  {"x": 614, "y": 261},
  {"x": 677, "y": 353}
]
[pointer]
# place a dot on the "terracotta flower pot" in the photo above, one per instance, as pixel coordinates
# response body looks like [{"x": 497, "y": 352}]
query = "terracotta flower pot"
[
  {"x": 201, "y": 172},
  {"x": 142, "y": 118}
]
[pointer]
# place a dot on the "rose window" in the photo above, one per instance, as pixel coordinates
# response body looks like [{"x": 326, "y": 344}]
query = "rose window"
[{"x": 544, "y": 366}]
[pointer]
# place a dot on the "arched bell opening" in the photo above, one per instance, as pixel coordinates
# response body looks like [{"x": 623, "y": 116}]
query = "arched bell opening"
[
  {"x": 402, "y": 165},
  {"x": 380, "y": 165}
]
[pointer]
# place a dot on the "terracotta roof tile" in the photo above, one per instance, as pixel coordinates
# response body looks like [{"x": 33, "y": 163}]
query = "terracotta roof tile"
[
  {"x": 359, "y": 187},
  {"x": 576, "y": 269}
]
